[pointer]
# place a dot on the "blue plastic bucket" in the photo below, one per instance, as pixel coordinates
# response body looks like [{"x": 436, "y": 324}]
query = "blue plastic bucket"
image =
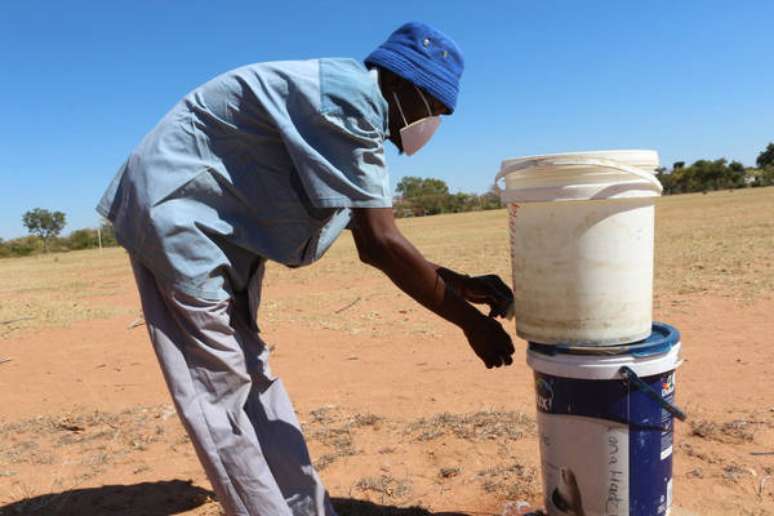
[{"x": 605, "y": 419}]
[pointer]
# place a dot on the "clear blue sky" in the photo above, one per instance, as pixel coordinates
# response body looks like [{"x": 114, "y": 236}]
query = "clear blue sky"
[{"x": 81, "y": 82}]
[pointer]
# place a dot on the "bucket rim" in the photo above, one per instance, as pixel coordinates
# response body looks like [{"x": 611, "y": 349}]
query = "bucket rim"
[
  {"x": 662, "y": 338},
  {"x": 640, "y": 158},
  {"x": 585, "y": 175}
]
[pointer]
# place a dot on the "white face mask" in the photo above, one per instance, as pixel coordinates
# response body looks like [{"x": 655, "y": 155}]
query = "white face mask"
[{"x": 415, "y": 135}]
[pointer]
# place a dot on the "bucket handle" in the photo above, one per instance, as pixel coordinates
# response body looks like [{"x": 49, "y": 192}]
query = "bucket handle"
[
  {"x": 650, "y": 179},
  {"x": 631, "y": 377}
]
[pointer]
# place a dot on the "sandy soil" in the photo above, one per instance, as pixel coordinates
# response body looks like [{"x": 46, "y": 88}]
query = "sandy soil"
[
  {"x": 412, "y": 420},
  {"x": 400, "y": 416}
]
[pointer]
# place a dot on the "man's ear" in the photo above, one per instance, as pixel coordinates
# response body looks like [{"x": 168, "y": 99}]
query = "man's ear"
[{"x": 389, "y": 80}]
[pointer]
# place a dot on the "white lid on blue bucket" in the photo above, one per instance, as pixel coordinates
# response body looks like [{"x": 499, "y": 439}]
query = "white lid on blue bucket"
[{"x": 657, "y": 354}]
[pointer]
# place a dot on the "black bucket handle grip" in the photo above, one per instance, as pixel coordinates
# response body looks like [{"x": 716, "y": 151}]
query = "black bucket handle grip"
[{"x": 631, "y": 377}]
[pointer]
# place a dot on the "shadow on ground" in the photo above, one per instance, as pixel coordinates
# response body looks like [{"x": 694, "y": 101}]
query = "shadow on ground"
[
  {"x": 352, "y": 507},
  {"x": 163, "y": 498},
  {"x": 147, "y": 499}
]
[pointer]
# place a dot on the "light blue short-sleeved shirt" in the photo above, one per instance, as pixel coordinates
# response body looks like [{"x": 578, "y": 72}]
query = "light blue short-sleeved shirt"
[{"x": 262, "y": 162}]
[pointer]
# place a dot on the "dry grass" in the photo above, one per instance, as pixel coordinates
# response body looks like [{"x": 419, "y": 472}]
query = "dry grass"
[
  {"x": 334, "y": 430},
  {"x": 56, "y": 455},
  {"x": 728, "y": 450},
  {"x": 720, "y": 243},
  {"x": 736, "y": 431},
  {"x": 74, "y": 448},
  {"x": 386, "y": 486},
  {"x": 97, "y": 438},
  {"x": 479, "y": 426},
  {"x": 510, "y": 481},
  {"x": 342, "y": 440},
  {"x": 58, "y": 289}
]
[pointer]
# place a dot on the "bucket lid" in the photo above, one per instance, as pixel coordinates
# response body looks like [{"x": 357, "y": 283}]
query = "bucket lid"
[
  {"x": 662, "y": 338},
  {"x": 646, "y": 160},
  {"x": 612, "y": 174}
]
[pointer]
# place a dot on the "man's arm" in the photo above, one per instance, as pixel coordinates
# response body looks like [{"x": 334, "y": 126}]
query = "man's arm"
[{"x": 381, "y": 244}]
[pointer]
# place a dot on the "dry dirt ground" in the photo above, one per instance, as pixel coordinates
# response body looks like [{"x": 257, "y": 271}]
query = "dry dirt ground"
[{"x": 400, "y": 416}]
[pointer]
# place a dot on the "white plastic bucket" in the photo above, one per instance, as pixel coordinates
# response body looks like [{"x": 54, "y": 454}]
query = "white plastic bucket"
[
  {"x": 581, "y": 228},
  {"x": 605, "y": 440}
]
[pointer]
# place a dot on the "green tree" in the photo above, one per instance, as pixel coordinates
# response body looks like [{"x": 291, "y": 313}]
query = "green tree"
[
  {"x": 702, "y": 176},
  {"x": 735, "y": 176},
  {"x": 82, "y": 239},
  {"x": 108, "y": 234},
  {"x": 491, "y": 199},
  {"x": 766, "y": 158},
  {"x": 666, "y": 179},
  {"x": 425, "y": 196},
  {"x": 710, "y": 174},
  {"x": 761, "y": 176},
  {"x": 409, "y": 186},
  {"x": 683, "y": 180},
  {"x": 458, "y": 202},
  {"x": 44, "y": 224}
]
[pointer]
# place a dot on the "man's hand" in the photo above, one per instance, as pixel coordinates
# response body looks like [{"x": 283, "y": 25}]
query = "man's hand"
[
  {"x": 490, "y": 342},
  {"x": 489, "y": 289}
]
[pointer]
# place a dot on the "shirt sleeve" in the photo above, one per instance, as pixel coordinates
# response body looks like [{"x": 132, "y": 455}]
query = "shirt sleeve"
[
  {"x": 338, "y": 148},
  {"x": 108, "y": 202}
]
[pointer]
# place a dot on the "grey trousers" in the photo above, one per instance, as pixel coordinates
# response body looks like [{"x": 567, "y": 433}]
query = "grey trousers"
[{"x": 237, "y": 414}]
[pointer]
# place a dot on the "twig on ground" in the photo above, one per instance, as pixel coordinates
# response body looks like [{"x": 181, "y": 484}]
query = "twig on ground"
[
  {"x": 762, "y": 485},
  {"x": 755, "y": 453},
  {"x": 3, "y": 360},
  {"x": 10, "y": 321},
  {"x": 137, "y": 322},
  {"x": 353, "y": 303}
]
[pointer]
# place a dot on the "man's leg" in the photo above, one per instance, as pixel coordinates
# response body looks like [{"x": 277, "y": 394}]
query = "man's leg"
[
  {"x": 273, "y": 417},
  {"x": 279, "y": 433},
  {"x": 204, "y": 365}
]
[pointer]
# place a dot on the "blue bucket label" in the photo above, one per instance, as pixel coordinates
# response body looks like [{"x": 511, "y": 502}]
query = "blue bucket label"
[
  {"x": 667, "y": 421},
  {"x": 605, "y": 448}
]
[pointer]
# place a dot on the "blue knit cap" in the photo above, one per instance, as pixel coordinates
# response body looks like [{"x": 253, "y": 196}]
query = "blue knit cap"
[{"x": 425, "y": 57}]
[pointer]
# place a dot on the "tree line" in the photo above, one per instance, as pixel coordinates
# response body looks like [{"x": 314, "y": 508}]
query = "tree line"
[
  {"x": 708, "y": 175},
  {"x": 415, "y": 197},
  {"x": 429, "y": 196},
  {"x": 44, "y": 227}
]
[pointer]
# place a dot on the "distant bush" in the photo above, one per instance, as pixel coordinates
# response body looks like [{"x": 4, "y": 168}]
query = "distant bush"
[
  {"x": 83, "y": 239},
  {"x": 87, "y": 238},
  {"x": 23, "y": 246},
  {"x": 706, "y": 175},
  {"x": 429, "y": 196},
  {"x": 108, "y": 235},
  {"x": 761, "y": 177},
  {"x": 418, "y": 196}
]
